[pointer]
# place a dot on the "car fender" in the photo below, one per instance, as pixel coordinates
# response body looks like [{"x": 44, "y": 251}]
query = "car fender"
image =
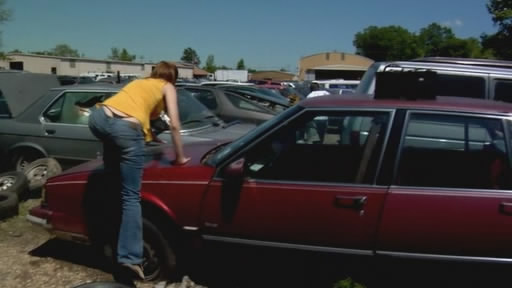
[
  {"x": 30, "y": 145},
  {"x": 155, "y": 201}
]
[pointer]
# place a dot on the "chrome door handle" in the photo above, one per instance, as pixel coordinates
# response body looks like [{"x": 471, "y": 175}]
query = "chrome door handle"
[
  {"x": 356, "y": 203},
  {"x": 506, "y": 208}
]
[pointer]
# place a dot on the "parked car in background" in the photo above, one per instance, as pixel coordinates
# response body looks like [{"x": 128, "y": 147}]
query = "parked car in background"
[
  {"x": 425, "y": 179},
  {"x": 286, "y": 91},
  {"x": 337, "y": 84},
  {"x": 16, "y": 96},
  {"x": 218, "y": 83},
  {"x": 230, "y": 106},
  {"x": 473, "y": 78},
  {"x": 263, "y": 96},
  {"x": 71, "y": 80},
  {"x": 55, "y": 125}
]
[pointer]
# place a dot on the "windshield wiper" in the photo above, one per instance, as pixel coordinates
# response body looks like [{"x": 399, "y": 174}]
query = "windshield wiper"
[{"x": 192, "y": 121}]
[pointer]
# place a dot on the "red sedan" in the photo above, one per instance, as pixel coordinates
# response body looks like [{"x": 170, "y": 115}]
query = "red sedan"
[{"x": 426, "y": 179}]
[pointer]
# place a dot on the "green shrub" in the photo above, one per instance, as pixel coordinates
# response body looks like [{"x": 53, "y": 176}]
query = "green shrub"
[{"x": 348, "y": 283}]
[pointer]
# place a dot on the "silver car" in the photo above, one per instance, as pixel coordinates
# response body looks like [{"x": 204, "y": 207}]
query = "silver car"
[{"x": 55, "y": 125}]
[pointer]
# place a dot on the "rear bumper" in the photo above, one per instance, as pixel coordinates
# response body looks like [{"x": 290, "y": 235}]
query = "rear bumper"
[{"x": 40, "y": 217}]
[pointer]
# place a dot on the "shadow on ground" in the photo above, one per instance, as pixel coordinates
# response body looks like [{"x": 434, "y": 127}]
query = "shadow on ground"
[
  {"x": 241, "y": 267},
  {"x": 74, "y": 253}
]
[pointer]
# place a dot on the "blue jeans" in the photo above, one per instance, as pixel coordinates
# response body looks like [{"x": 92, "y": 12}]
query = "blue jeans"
[{"x": 123, "y": 157}]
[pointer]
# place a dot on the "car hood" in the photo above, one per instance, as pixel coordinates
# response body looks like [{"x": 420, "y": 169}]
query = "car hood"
[{"x": 157, "y": 156}]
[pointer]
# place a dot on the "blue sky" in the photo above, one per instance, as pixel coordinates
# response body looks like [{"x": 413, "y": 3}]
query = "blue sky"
[{"x": 267, "y": 34}]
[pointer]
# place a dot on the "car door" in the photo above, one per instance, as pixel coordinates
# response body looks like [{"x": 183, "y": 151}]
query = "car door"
[
  {"x": 451, "y": 197},
  {"x": 65, "y": 132},
  {"x": 297, "y": 191}
]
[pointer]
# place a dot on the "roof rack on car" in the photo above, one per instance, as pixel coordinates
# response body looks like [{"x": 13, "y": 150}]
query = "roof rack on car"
[
  {"x": 406, "y": 85},
  {"x": 467, "y": 61}
]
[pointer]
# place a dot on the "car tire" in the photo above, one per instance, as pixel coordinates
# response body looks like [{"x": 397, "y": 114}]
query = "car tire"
[
  {"x": 14, "y": 182},
  {"x": 159, "y": 257},
  {"x": 102, "y": 285},
  {"x": 23, "y": 157},
  {"x": 39, "y": 171},
  {"x": 8, "y": 204}
]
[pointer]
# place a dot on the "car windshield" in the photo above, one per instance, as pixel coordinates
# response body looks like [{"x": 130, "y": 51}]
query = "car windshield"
[
  {"x": 236, "y": 145},
  {"x": 193, "y": 114}
]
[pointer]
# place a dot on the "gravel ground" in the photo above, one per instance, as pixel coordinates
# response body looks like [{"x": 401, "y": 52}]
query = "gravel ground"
[{"x": 31, "y": 257}]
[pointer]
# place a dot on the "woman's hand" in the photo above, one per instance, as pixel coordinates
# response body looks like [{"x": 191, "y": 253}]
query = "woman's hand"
[{"x": 181, "y": 160}]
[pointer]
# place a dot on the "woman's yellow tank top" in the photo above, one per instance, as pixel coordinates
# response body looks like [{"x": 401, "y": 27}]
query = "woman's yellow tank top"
[{"x": 140, "y": 99}]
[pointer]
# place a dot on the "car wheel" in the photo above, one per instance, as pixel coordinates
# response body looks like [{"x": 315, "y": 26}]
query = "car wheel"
[
  {"x": 40, "y": 170},
  {"x": 25, "y": 156},
  {"x": 8, "y": 204},
  {"x": 14, "y": 182},
  {"x": 102, "y": 285},
  {"x": 159, "y": 258}
]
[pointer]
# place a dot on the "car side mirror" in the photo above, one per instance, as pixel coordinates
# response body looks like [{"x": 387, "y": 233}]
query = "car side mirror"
[
  {"x": 235, "y": 169},
  {"x": 231, "y": 188}
]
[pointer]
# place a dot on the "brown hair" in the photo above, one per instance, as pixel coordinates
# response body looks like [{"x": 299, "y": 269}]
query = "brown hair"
[{"x": 165, "y": 70}]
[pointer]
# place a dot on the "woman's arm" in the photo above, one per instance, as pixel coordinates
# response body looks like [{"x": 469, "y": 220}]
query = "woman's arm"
[{"x": 171, "y": 100}]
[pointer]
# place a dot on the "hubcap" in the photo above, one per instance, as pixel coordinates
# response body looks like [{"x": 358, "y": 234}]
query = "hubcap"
[
  {"x": 150, "y": 263},
  {"x": 37, "y": 174},
  {"x": 6, "y": 182}
]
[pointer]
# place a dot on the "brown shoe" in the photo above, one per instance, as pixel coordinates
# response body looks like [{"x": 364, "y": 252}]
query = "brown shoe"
[{"x": 135, "y": 268}]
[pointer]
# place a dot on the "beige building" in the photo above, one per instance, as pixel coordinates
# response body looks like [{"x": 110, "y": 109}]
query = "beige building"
[
  {"x": 333, "y": 65},
  {"x": 80, "y": 66},
  {"x": 272, "y": 76}
]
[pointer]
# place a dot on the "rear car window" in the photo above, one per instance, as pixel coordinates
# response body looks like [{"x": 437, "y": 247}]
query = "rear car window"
[
  {"x": 460, "y": 85},
  {"x": 243, "y": 104},
  {"x": 453, "y": 151},
  {"x": 503, "y": 91}
]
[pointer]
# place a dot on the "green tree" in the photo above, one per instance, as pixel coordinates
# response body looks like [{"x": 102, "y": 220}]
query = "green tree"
[
  {"x": 16, "y": 51},
  {"x": 501, "y": 42},
  {"x": 210, "y": 64},
  {"x": 433, "y": 37},
  {"x": 64, "y": 50},
  {"x": 123, "y": 55},
  {"x": 5, "y": 14},
  {"x": 240, "y": 65},
  {"x": 464, "y": 48},
  {"x": 387, "y": 43},
  {"x": 190, "y": 56},
  {"x": 501, "y": 11},
  {"x": 114, "y": 53}
]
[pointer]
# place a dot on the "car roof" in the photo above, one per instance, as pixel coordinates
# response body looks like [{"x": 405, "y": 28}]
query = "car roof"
[
  {"x": 92, "y": 86},
  {"x": 467, "y": 61},
  {"x": 456, "y": 104},
  {"x": 448, "y": 66}
]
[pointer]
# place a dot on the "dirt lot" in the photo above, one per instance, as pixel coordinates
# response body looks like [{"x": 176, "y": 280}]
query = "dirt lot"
[{"x": 31, "y": 257}]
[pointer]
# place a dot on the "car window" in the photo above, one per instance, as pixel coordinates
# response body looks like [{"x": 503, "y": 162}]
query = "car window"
[
  {"x": 206, "y": 97},
  {"x": 453, "y": 151},
  {"x": 74, "y": 107},
  {"x": 503, "y": 90},
  {"x": 243, "y": 103},
  {"x": 342, "y": 147},
  {"x": 460, "y": 85}
]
